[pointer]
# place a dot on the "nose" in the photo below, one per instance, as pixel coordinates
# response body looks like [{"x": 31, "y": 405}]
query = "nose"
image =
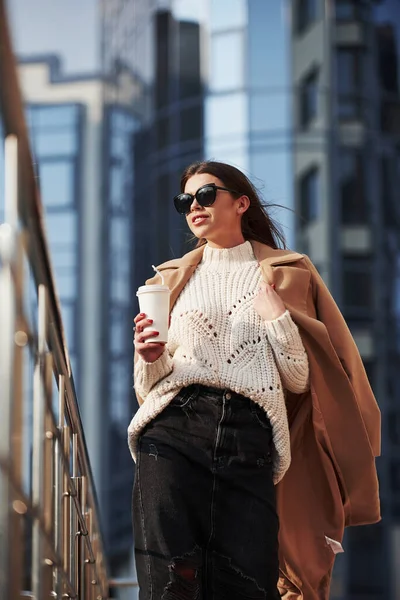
[{"x": 195, "y": 205}]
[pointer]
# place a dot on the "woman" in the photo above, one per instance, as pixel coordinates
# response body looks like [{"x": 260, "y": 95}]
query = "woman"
[{"x": 212, "y": 435}]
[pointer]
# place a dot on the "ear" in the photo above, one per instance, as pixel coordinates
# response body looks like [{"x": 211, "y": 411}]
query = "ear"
[{"x": 243, "y": 204}]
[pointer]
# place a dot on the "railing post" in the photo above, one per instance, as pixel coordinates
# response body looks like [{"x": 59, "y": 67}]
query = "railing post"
[
  {"x": 12, "y": 341},
  {"x": 7, "y": 329},
  {"x": 41, "y": 577},
  {"x": 58, "y": 487}
]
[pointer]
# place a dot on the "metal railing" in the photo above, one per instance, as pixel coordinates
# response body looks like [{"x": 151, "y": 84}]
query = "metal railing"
[{"x": 50, "y": 537}]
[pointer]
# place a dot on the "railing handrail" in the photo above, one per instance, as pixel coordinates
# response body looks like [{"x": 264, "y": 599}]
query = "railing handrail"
[
  {"x": 30, "y": 211},
  {"x": 36, "y": 247}
]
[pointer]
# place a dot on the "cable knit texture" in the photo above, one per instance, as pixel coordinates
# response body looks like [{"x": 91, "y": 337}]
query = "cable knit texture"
[{"x": 216, "y": 338}]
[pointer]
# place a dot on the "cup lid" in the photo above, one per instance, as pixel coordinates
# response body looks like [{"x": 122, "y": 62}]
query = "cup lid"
[{"x": 149, "y": 289}]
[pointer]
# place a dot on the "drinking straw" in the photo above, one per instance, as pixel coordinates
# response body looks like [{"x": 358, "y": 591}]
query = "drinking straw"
[{"x": 158, "y": 273}]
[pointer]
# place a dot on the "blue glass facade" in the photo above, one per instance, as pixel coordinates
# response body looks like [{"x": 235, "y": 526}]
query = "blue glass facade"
[
  {"x": 218, "y": 88},
  {"x": 121, "y": 126},
  {"x": 247, "y": 119},
  {"x": 56, "y": 140},
  {"x": 119, "y": 299}
]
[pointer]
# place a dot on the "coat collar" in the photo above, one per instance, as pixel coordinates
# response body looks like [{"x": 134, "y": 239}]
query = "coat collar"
[
  {"x": 177, "y": 272},
  {"x": 265, "y": 255}
]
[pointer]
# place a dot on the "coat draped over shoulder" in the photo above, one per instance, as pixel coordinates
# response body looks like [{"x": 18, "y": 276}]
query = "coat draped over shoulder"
[{"x": 334, "y": 427}]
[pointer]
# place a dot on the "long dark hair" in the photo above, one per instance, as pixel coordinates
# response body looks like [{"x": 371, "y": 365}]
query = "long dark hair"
[{"x": 257, "y": 224}]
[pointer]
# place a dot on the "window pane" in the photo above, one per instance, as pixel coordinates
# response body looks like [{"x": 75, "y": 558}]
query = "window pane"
[
  {"x": 266, "y": 65},
  {"x": 56, "y": 182},
  {"x": 350, "y": 81},
  {"x": 227, "y": 66},
  {"x": 353, "y": 197},
  {"x": 394, "y": 427},
  {"x": 345, "y": 9},
  {"x": 61, "y": 228},
  {"x": 66, "y": 283},
  {"x": 350, "y": 10},
  {"x": 53, "y": 116},
  {"x": 347, "y": 74},
  {"x": 307, "y": 12},
  {"x": 190, "y": 76},
  {"x": 117, "y": 185},
  {"x": 395, "y": 475},
  {"x": 191, "y": 123},
  {"x": 64, "y": 257},
  {"x": 119, "y": 256},
  {"x": 54, "y": 143},
  {"x": 357, "y": 284},
  {"x": 309, "y": 196},
  {"x": 226, "y": 116},
  {"x": 309, "y": 99},
  {"x": 120, "y": 384},
  {"x": 122, "y": 127},
  {"x": 268, "y": 112},
  {"x": 118, "y": 330},
  {"x": 228, "y": 14},
  {"x": 118, "y": 144}
]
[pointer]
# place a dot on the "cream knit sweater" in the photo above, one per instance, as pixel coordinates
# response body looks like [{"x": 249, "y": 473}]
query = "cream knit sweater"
[{"x": 216, "y": 338}]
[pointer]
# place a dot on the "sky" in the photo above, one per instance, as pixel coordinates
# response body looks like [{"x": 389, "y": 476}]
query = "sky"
[{"x": 69, "y": 28}]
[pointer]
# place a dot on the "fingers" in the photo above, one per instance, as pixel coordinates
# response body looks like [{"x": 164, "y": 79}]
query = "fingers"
[
  {"x": 267, "y": 288},
  {"x": 141, "y": 324},
  {"x": 141, "y": 337},
  {"x": 138, "y": 318},
  {"x": 143, "y": 348},
  {"x": 149, "y": 348}
]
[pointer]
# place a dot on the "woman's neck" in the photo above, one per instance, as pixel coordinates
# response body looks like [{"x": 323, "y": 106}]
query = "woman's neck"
[{"x": 229, "y": 242}]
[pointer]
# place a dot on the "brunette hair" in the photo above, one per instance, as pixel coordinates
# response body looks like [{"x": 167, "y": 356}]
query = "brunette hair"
[{"x": 257, "y": 224}]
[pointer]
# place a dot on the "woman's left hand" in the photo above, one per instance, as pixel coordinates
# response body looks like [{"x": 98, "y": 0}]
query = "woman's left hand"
[{"x": 268, "y": 303}]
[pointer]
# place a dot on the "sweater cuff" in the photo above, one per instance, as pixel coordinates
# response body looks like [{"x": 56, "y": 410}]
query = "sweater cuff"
[
  {"x": 148, "y": 374},
  {"x": 283, "y": 329}
]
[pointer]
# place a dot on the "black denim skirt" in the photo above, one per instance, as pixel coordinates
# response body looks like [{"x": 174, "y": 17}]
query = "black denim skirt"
[{"x": 204, "y": 508}]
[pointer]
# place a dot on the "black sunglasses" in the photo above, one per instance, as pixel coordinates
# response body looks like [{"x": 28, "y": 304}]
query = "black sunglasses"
[{"x": 205, "y": 196}]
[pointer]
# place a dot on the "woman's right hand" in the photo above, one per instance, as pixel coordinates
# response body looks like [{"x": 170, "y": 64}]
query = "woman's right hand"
[{"x": 149, "y": 351}]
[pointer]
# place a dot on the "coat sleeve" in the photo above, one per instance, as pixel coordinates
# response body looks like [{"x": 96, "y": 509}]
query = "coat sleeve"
[{"x": 346, "y": 350}]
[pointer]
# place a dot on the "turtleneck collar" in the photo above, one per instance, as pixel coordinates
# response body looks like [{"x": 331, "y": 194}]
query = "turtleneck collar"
[{"x": 237, "y": 254}]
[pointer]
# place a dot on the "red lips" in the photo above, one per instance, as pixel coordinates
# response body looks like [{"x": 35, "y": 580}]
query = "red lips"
[{"x": 199, "y": 216}]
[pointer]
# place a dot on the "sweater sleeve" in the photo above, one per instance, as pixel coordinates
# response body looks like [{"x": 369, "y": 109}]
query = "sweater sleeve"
[
  {"x": 146, "y": 375},
  {"x": 290, "y": 355}
]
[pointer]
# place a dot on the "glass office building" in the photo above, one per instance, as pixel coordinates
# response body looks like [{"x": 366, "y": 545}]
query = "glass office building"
[
  {"x": 345, "y": 68},
  {"x": 215, "y": 85}
]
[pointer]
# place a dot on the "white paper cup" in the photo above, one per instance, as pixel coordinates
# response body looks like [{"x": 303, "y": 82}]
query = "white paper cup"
[{"x": 154, "y": 303}]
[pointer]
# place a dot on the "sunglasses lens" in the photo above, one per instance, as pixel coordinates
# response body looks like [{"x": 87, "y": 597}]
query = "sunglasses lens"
[
  {"x": 183, "y": 203},
  {"x": 206, "y": 195}
]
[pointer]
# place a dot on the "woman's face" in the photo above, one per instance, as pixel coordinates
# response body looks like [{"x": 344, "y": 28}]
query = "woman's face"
[{"x": 219, "y": 224}]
